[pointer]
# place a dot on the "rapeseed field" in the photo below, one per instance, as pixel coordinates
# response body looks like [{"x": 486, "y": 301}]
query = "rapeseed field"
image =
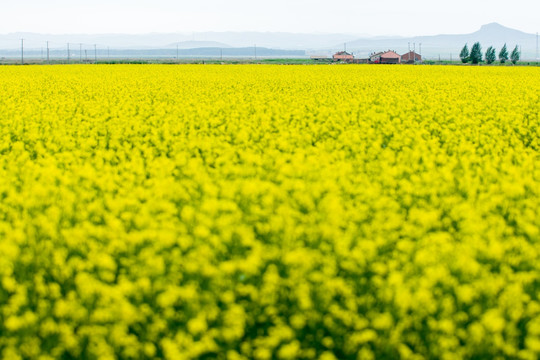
[{"x": 269, "y": 212}]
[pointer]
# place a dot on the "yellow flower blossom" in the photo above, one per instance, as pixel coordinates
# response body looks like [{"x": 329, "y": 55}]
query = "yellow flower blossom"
[{"x": 269, "y": 212}]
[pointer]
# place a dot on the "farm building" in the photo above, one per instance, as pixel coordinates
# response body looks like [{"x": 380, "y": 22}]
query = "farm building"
[
  {"x": 361, "y": 61},
  {"x": 343, "y": 56},
  {"x": 411, "y": 57},
  {"x": 320, "y": 58},
  {"x": 385, "y": 57}
]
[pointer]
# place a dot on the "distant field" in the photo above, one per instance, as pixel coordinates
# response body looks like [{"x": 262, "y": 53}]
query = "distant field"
[
  {"x": 230, "y": 61},
  {"x": 269, "y": 212}
]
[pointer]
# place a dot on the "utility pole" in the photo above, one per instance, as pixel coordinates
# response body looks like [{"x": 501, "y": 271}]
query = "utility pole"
[
  {"x": 108, "y": 53},
  {"x": 221, "y": 54},
  {"x": 22, "y": 51},
  {"x": 85, "y": 55},
  {"x": 68, "y": 51},
  {"x": 95, "y": 53},
  {"x": 255, "y": 48},
  {"x": 537, "y": 56},
  {"x": 420, "y": 45},
  {"x": 48, "y": 62},
  {"x": 80, "y": 52},
  {"x": 345, "y": 47}
]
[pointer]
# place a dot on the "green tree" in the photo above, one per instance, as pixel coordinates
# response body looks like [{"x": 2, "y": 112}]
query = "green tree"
[
  {"x": 464, "y": 54},
  {"x": 503, "y": 54},
  {"x": 490, "y": 55},
  {"x": 515, "y": 55},
  {"x": 476, "y": 53}
]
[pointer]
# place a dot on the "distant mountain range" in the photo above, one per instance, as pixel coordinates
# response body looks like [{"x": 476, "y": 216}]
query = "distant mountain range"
[
  {"x": 159, "y": 53},
  {"x": 445, "y": 46},
  {"x": 197, "y": 45},
  {"x": 450, "y": 45},
  {"x": 277, "y": 40}
]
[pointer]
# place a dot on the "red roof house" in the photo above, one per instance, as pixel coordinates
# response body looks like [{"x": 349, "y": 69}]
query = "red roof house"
[
  {"x": 411, "y": 57},
  {"x": 343, "y": 56},
  {"x": 385, "y": 57}
]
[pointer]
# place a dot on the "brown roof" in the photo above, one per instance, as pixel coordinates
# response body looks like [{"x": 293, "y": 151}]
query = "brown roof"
[
  {"x": 390, "y": 54},
  {"x": 342, "y": 53},
  {"x": 410, "y": 55}
]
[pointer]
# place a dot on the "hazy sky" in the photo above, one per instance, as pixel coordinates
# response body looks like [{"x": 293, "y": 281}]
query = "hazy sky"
[{"x": 389, "y": 17}]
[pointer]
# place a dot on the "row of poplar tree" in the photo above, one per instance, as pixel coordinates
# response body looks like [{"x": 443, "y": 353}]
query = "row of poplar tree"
[{"x": 475, "y": 55}]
